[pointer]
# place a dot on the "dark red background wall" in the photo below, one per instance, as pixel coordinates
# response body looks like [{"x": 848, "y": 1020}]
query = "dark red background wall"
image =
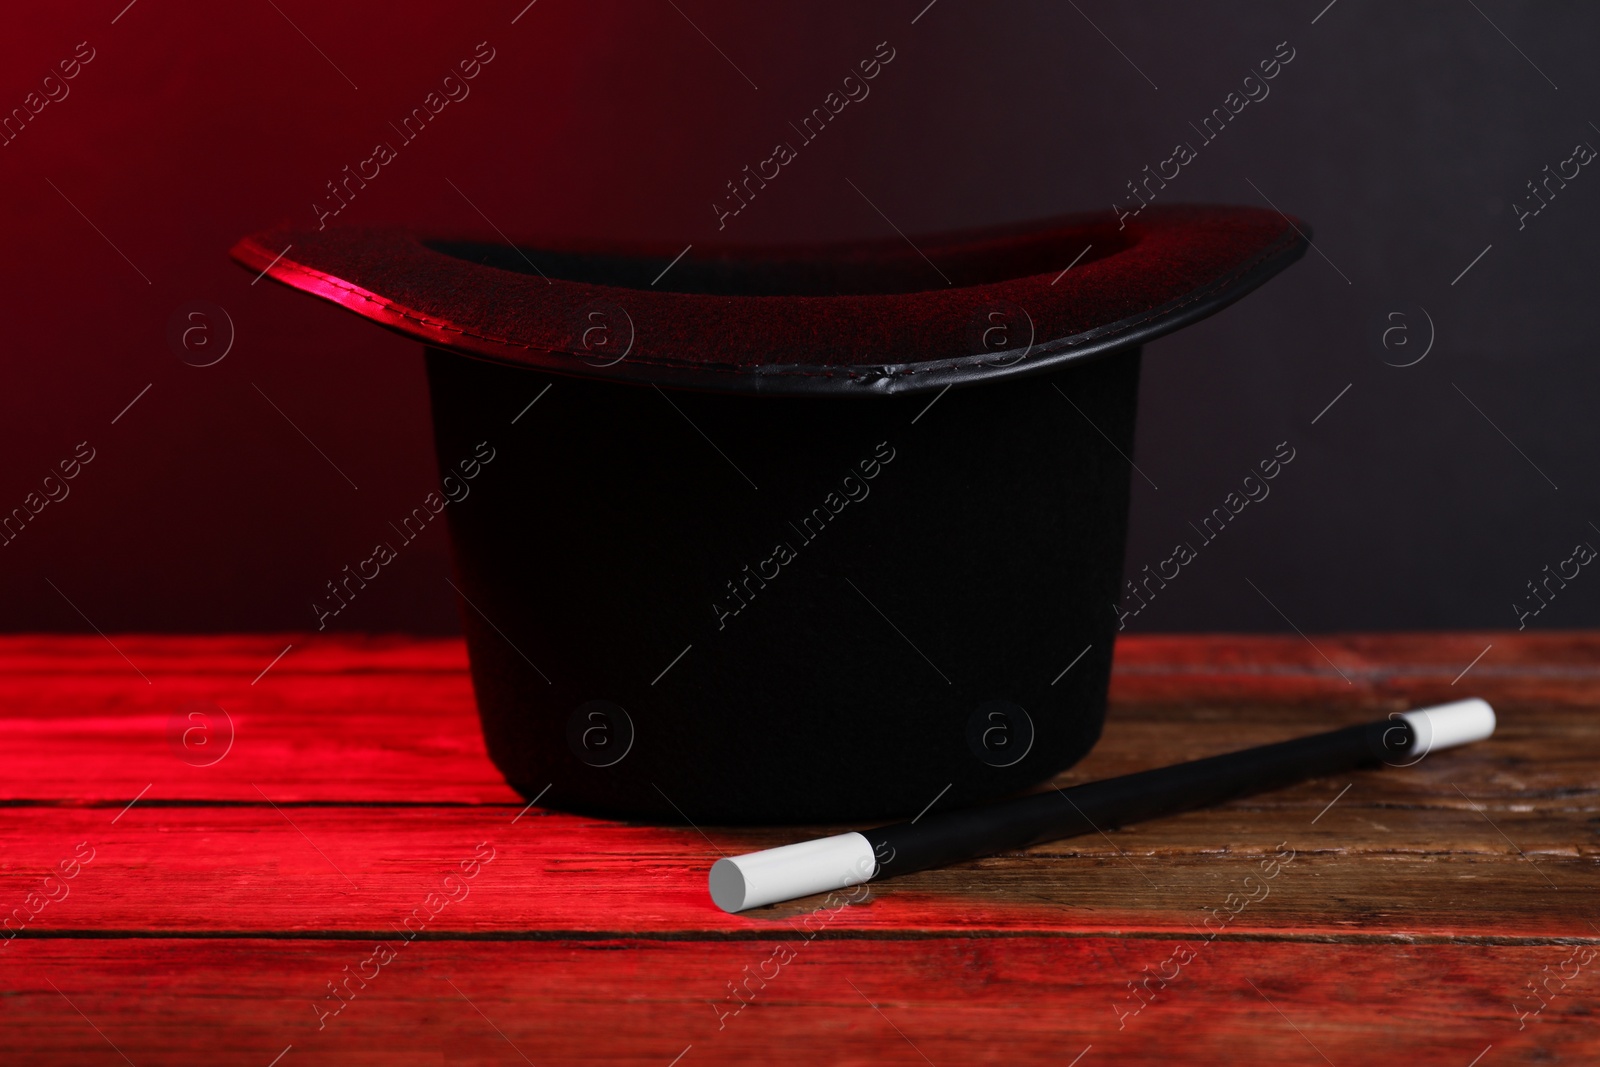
[{"x": 1405, "y": 135}]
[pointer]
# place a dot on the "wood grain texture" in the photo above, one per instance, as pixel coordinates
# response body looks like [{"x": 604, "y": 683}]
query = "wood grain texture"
[
  {"x": 1397, "y": 872},
  {"x": 1419, "y": 906},
  {"x": 947, "y": 1002}
]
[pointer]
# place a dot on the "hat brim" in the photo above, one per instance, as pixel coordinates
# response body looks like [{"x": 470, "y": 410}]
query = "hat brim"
[{"x": 867, "y": 318}]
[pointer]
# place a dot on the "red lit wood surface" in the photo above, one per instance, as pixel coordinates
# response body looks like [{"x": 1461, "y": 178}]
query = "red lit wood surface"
[{"x": 1429, "y": 915}]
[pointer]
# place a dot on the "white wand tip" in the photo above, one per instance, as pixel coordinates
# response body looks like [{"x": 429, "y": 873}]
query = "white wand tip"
[
  {"x": 1448, "y": 725},
  {"x": 766, "y": 877}
]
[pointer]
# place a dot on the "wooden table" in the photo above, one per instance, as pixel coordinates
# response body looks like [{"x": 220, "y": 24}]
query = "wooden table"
[{"x": 165, "y": 911}]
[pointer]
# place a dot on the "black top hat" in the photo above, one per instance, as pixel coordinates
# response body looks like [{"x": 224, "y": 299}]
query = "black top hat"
[{"x": 703, "y": 580}]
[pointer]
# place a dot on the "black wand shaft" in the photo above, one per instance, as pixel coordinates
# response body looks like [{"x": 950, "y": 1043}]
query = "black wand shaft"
[{"x": 1016, "y": 824}]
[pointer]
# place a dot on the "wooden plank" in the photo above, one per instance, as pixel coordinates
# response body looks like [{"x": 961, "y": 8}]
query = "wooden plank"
[
  {"x": 1382, "y": 671},
  {"x": 402, "y": 711},
  {"x": 991, "y": 1001},
  {"x": 237, "y": 657},
  {"x": 1403, "y": 654},
  {"x": 408, "y": 749},
  {"x": 1573, "y": 654},
  {"x": 337, "y": 718},
  {"x": 1397, "y": 872}
]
